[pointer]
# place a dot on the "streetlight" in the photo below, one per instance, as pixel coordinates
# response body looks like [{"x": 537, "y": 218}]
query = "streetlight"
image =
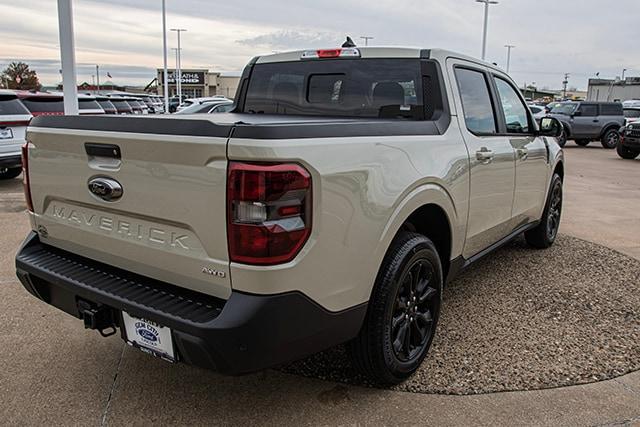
[
  {"x": 486, "y": 24},
  {"x": 165, "y": 77},
  {"x": 624, "y": 70},
  {"x": 366, "y": 39},
  {"x": 175, "y": 73},
  {"x": 509, "y": 47},
  {"x": 179, "y": 77}
]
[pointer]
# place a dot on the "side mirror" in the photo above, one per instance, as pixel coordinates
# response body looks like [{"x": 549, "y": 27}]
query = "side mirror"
[{"x": 550, "y": 126}]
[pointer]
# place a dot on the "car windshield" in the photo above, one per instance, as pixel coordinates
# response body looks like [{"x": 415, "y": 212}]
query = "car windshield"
[
  {"x": 385, "y": 88},
  {"x": 9, "y": 105},
  {"x": 121, "y": 104},
  {"x": 566, "y": 109},
  {"x": 106, "y": 105},
  {"x": 632, "y": 113}
]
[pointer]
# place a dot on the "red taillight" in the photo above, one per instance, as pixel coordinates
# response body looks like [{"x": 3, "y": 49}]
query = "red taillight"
[
  {"x": 328, "y": 53},
  {"x": 268, "y": 212},
  {"x": 25, "y": 176}
]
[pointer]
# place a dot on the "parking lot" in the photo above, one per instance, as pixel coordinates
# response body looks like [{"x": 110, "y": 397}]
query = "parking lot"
[{"x": 55, "y": 372}]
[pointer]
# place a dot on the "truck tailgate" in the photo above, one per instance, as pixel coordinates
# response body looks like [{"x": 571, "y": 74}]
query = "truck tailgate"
[{"x": 169, "y": 223}]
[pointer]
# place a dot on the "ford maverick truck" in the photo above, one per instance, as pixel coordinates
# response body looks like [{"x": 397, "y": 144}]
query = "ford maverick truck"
[{"x": 331, "y": 205}]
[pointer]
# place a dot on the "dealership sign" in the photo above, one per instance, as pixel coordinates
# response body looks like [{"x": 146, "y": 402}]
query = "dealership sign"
[{"x": 188, "y": 77}]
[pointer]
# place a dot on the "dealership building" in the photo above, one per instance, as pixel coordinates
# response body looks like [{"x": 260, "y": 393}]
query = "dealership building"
[
  {"x": 614, "y": 90},
  {"x": 197, "y": 83}
]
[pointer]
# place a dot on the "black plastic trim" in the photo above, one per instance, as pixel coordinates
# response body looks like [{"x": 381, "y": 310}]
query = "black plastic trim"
[
  {"x": 150, "y": 125},
  {"x": 459, "y": 264},
  {"x": 11, "y": 161},
  {"x": 245, "y": 333}
]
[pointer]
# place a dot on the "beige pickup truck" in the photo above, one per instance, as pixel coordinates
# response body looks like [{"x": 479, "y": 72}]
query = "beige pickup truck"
[{"x": 331, "y": 205}]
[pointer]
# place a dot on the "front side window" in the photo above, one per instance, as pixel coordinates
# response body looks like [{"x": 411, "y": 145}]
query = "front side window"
[
  {"x": 515, "y": 112},
  {"x": 476, "y": 101},
  {"x": 373, "y": 88}
]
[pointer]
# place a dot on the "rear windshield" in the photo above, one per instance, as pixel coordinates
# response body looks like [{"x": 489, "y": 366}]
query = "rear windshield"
[
  {"x": 44, "y": 105},
  {"x": 385, "y": 88},
  {"x": 11, "y": 106},
  {"x": 628, "y": 113},
  {"x": 107, "y": 105},
  {"x": 88, "y": 104},
  {"x": 121, "y": 105}
]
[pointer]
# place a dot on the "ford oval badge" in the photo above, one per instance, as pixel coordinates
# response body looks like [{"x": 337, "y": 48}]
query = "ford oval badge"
[{"x": 106, "y": 188}]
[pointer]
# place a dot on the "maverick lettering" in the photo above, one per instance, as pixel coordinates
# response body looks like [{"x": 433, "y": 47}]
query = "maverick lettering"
[{"x": 121, "y": 227}]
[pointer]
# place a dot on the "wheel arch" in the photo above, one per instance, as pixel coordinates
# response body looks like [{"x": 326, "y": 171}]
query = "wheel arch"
[{"x": 608, "y": 127}]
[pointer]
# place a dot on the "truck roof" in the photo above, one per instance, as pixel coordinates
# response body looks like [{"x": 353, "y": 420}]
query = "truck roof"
[{"x": 382, "y": 52}]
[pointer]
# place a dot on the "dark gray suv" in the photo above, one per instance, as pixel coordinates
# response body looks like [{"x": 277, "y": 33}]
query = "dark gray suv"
[{"x": 590, "y": 121}]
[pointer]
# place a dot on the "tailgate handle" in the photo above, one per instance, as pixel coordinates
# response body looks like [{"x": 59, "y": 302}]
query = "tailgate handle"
[{"x": 103, "y": 150}]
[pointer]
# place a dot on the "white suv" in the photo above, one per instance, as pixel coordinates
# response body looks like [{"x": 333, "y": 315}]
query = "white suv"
[{"x": 14, "y": 118}]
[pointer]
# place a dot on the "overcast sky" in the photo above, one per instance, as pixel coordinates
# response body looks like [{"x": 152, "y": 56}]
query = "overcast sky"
[{"x": 581, "y": 37}]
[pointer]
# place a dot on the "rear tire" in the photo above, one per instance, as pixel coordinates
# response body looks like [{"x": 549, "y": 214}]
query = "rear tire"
[
  {"x": 545, "y": 233},
  {"x": 582, "y": 142},
  {"x": 403, "y": 312},
  {"x": 610, "y": 138},
  {"x": 9, "y": 173},
  {"x": 626, "y": 153}
]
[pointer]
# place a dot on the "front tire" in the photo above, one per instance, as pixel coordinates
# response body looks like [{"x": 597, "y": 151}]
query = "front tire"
[
  {"x": 562, "y": 139},
  {"x": 403, "y": 312},
  {"x": 626, "y": 153},
  {"x": 545, "y": 233},
  {"x": 610, "y": 139},
  {"x": 9, "y": 173}
]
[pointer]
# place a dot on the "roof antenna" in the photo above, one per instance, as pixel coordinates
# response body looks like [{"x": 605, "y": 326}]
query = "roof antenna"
[{"x": 349, "y": 43}]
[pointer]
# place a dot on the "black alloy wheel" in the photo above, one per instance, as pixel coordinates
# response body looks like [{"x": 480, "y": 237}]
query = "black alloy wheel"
[
  {"x": 412, "y": 322},
  {"x": 555, "y": 211}
]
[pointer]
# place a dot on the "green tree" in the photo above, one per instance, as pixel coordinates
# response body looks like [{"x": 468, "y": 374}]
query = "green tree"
[{"x": 18, "y": 76}]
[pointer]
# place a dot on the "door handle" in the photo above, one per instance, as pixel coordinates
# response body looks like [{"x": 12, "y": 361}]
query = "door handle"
[
  {"x": 522, "y": 153},
  {"x": 595, "y": 120},
  {"x": 484, "y": 155}
]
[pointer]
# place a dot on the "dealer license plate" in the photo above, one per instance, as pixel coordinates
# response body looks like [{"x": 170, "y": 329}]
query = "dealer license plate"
[{"x": 149, "y": 337}]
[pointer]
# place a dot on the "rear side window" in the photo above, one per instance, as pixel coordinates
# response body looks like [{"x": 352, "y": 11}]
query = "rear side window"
[
  {"x": 44, "y": 105},
  {"x": 11, "y": 106},
  {"x": 515, "y": 112},
  {"x": 476, "y": 101},
  {"x": 588, "y": 110},
  {"x": 611, "y": 110},
  {"x": 384, "y": 88}
]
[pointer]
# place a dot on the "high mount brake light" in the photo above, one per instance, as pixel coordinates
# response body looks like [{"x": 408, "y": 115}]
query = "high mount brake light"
[
  {"x": 268, "y": 211},
  {"x": 348, "y": 52},
  {"x": 25, "y": 176}
]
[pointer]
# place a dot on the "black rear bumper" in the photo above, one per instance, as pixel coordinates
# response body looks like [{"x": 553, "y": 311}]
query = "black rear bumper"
[
  {"x": 11, "y": 162},
  {"x": 242, "y": 334}
]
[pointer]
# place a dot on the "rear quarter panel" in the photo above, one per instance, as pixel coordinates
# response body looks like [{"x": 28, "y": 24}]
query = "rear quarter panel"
[{"x": 364, "y": 188}]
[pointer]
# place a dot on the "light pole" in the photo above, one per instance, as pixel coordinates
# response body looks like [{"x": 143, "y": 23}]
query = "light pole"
[
  {"x": 175, "y": 73},
  {"x": 366, "y": 39},
  {"x": 509, "y": 47},
  {"x": 179, "y": 76},
  {"x": 624, "y": 70},
  {"x": 165, "y": 77},
  {"x": 98, "y": 78},
  {"x": 68, "y": 57},
  {"x": 486, "y": 25}
]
